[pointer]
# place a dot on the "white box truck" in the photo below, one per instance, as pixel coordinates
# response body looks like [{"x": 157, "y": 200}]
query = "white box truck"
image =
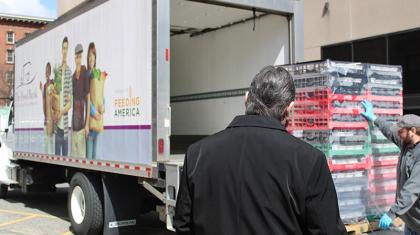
[{"x": 109, "y": 96}]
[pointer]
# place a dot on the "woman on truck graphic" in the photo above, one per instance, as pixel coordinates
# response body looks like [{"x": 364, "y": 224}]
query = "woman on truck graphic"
[
  {"x": 47, "y": 92},
  {"x": 97, "y": 103}
]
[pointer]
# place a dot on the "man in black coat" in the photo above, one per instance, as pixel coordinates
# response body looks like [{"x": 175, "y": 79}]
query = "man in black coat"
[{"x": 254, "y": 177}]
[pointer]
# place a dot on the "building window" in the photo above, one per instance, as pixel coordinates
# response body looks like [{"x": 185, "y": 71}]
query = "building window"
[
  {"x": 10, "y": 37},
  {"x": 9, "y": 78},
  {"x": 10, "y": 56},
  {"x": 341, "y": 52}
]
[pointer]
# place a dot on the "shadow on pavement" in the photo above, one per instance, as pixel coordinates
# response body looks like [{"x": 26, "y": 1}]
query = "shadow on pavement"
[{"x": 55, "y": 204}]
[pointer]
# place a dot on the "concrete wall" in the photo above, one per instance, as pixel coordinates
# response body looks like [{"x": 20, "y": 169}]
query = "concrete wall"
[
  {"x": 354, "y": 19},
  {"x": 65, "y": 5}
]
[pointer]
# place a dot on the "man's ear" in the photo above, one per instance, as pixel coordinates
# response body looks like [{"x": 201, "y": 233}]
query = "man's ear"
[
  {"x": 413, "y": 130},
  {"x": 290, "y": 107},
  {"x": 288, "y": 110}
]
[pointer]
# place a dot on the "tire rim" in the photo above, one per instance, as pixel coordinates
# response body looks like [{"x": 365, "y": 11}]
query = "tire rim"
[{"x": 78, "y": 206}]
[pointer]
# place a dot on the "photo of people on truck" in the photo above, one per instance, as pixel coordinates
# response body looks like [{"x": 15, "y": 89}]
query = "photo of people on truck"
[{"x": 80, "y": 98}]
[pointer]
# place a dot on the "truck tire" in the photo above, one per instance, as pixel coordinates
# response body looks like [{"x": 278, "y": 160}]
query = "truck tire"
[
  {"x": 84, "y": 204},
  {"x": 3, "y": 190}
]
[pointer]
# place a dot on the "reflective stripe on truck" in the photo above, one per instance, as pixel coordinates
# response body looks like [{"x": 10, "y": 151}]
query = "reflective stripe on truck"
[{"x": 105, "y": 166}]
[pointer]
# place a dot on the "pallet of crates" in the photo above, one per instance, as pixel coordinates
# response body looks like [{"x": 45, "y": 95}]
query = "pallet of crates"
[{"x": 327, "y": 115}]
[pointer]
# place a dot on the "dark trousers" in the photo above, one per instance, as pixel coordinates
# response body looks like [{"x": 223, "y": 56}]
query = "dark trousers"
[
  {"x": 61, "y": 143},
  {"x": 409, "y": 231}
]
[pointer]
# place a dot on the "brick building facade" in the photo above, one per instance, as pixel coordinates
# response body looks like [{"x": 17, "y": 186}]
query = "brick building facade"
[{"x": 12, "y": 29}]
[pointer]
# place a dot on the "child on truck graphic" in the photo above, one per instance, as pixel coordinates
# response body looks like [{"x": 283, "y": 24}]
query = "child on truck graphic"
[
  {"x": 46, "y": 90},
  {"x": 97, "y": 103}
]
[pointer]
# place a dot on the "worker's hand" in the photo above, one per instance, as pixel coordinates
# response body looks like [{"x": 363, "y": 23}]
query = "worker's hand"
[
  {"x": 385, "y": 222},
  {"x": 368, "y": 114}
]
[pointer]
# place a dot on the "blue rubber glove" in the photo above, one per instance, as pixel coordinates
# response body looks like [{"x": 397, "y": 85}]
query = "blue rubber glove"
[
  {"x": 368, "y": 114},
  {"x": 385, "y": 222}
]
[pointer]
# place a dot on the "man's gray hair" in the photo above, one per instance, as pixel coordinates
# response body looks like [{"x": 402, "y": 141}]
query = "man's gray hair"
[{"x": 270, "y": 93}]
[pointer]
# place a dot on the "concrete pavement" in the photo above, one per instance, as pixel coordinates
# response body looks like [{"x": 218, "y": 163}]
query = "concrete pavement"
[{"x": 46, "y": 214}]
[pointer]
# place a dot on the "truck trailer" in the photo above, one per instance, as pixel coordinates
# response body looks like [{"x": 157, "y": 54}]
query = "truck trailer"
[{"x": 109, "y": 96}]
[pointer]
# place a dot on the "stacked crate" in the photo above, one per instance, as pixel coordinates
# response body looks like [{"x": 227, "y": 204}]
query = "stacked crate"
[
  {"x": 327, "y": 115},
  {"x": 385, "y": 93}
]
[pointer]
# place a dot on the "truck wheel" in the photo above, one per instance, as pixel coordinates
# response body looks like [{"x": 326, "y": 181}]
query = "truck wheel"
[
  {"x": 3, "y": 190},
  {"x": 84, "y": 204}
]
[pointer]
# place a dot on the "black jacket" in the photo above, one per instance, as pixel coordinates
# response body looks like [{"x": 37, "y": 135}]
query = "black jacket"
[{"x": 255, "y": 178}]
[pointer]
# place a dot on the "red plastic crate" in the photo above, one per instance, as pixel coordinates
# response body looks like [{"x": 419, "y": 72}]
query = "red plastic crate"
[
  {"x": 390, "y": 160},
  {"x": 381, "y": 200},
  {"x": 398, "y": 100},
  {"x": 323, "y": 121},
  {"x": 317, "y": 94},
  {"x": 383, "y": 187},
  {"x": 382, "y": 173},
  {"x": 323, "y": 98},
  {"x": 364, "y": 164},
  {"x": 316, "y": 101},
  {"x": 322, "y": 107},
  {"x": 388, "y": 111},
  {"x": 310, "y": 107}
]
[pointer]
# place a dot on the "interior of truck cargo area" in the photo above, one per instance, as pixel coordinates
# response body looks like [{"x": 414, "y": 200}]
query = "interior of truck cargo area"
[
  {"x": 215, "y": 51},
  {"x": 196, "y": 18}
]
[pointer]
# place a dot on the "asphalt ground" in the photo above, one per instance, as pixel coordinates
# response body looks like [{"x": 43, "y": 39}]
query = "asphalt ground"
[{"x": 46, "y": 214}]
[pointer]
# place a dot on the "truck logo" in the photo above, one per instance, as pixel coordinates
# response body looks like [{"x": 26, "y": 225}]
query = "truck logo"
[{"x": 26, "y": 76}]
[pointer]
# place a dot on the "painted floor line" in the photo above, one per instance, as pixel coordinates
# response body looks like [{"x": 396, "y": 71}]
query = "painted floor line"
[
  {"x": 18, "y": 220},
  {"x": 16, "y": 212},
  {"x": 67, "y": 233},
  {"x": 30, "y": 214}
]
